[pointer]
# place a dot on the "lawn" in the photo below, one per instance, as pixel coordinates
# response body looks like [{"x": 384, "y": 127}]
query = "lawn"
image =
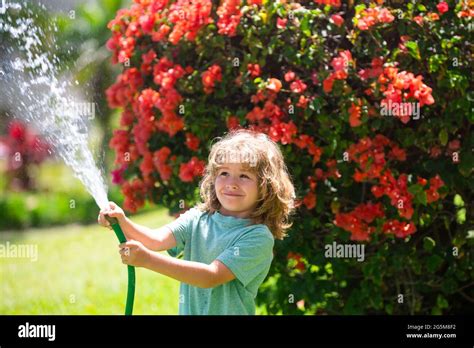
[{"x": 78, "y": 271}]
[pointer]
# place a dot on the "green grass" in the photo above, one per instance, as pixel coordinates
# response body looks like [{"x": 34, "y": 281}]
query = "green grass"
[{"x": 79, "y": 271}]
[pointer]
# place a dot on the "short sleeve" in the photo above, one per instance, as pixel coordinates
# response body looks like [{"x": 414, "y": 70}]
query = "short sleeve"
[
  {"x": 181, "y": 229},
  {"x": 251, "y": 255}
]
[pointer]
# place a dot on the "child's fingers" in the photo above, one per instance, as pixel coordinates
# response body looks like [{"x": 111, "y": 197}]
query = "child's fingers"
[{"x": 102, "y": 221}]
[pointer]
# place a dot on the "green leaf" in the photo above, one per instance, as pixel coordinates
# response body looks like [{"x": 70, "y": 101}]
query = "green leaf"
[
  {"x": 305, "y": 26},
  {"x": 441, "y": 302},
  {"x": 458, "y": 201},
  {"x": 415, "y": 188},
  {"x": 461, "y": 216},
  {"x": 466, "y": 163},
  {"x": 443, "y": 137},
  {"x": 359, "y": 8},
  {"x": 413, "y": 49},
  {"x": 428, "y": 243},
  {"x": 421, "y": 8},
  {"x": 435, "y": 62},
  {"x": 420, "y": 198},
  {"x": 433, "y": 263}
]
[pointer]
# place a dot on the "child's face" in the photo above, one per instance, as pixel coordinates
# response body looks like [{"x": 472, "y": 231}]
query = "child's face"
[{"x": 236, "y": 190}]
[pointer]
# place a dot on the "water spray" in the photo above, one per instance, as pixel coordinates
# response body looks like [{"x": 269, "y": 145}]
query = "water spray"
[{"x": 48, "y": 106}]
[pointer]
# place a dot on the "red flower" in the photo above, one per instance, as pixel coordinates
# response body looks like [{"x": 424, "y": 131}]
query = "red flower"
[
  {"x": 298, "y": 86},
  {"x": 432, "y": 194},
  {"x": 335, "y": 3},
  {"x": 281, "y": 23},
  {"x": 170, "y": 123},
  {"x": 192, "y": 141},
  {"x": 442, "y": 7},
  {"x": 146, "y": 167},
  {"x": 328, "y": 84},
  {"x": 418, "y": 20},
  {"x": 310, "y": 200},
  {"x": 302, "y": 102},
  {"x": 254, "y": 70},
  {"x": 188, "y": 171},
  {"x": 289, "y": 76},
  {"x": 147, "y": 22},
  {"x": 135, "y": 194},
  {"x": 233, "y": 123},
  {"x": 337, "y": 20},
  {"x": 274, "y": 85},
  {"x": 295, "y": 258},
  {"x": 400, "y": 229},
  {"x": 188, "y": 18},
  {"x": 372, "y": 16},
  {"x": 283, "y": 132},
  {"x": 117, "y": 175},
  {"x": 229, "y": 17},
  {"x": 357, "y": 221},
  {"x": 354, "y": 115},
  {"x": 210, "y": 76},
  {"x": 159, "y": 160}
]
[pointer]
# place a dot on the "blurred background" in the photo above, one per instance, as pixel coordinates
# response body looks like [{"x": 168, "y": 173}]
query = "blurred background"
[{"x": 43, "y": 207}]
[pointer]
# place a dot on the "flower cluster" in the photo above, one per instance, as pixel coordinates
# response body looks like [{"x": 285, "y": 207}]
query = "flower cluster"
[
  {"x": 340, "y": 65},
  {"x": 121, "y": 93},
  {"x": 295, "y": 261},
  {"x": 399, "y": 87},
  {"x": 135, "y": 194},
  {"x": 188, "y": 171},
  {"x": 229, "y": 17},
  {"x": 210, "y": 76},
  {"x": 369, "y": 17},
  {"x": 22, "y": 148},
  {"x": 369, "y": 154},
  {"x": 357, "y": 221},
  {"x": 400, "y": 229},
  {"x": 188, "y": 18},
  {"x": 334, "y": 3},
  {"x": 160, "y": 158}
]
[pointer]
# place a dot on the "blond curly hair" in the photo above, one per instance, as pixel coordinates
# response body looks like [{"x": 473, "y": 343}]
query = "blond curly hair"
[{"x": 259, "y": 154}]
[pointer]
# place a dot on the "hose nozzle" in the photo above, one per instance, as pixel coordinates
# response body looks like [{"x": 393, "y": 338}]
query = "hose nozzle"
[{"x": 111, "y": 219}]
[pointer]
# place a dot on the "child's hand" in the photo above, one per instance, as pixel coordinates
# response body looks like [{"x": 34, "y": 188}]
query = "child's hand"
[
  {"x": 134, "y": 253},
  {"x": 113, "y": 211}
]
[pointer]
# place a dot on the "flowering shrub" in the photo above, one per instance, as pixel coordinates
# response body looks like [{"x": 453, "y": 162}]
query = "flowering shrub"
[
  {"x": 369, "y": 104},
  {"x": 23, "y": 149}
]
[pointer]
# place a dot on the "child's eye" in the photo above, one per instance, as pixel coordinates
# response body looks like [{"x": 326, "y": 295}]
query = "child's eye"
[
  {"x": 223, "y": 173},
  {"x": 245, "y": 176}
]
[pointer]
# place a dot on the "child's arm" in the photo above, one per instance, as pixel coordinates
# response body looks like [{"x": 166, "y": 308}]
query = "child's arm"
[
  {"x": 158, "y": 240},
  {"x": 193, "y": 273}
]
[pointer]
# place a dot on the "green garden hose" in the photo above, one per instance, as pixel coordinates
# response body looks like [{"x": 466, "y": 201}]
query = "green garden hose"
[{"x": 131, "y": 270}]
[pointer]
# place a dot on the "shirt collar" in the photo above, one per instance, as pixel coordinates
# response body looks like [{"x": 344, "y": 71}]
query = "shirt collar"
[{"x": 229, "y": 221}]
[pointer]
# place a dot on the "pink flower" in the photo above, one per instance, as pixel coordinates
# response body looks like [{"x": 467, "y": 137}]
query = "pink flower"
[
  {"x": 337, "y": 20},
  {"x": 442, "y": 7},
  {"x": 298, "y": 86},
  {"x": 281, "y": 23}
]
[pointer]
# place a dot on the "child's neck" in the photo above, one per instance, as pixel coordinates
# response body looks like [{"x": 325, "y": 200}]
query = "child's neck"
[{"x": 238, "y": 214}]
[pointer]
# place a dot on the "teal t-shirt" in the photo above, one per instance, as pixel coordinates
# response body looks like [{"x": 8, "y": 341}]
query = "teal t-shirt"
[{"x": 246, "y": 249}]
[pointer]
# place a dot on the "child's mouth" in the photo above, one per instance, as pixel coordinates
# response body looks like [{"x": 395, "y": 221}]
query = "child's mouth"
[{"x": 232, "y": 195}]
